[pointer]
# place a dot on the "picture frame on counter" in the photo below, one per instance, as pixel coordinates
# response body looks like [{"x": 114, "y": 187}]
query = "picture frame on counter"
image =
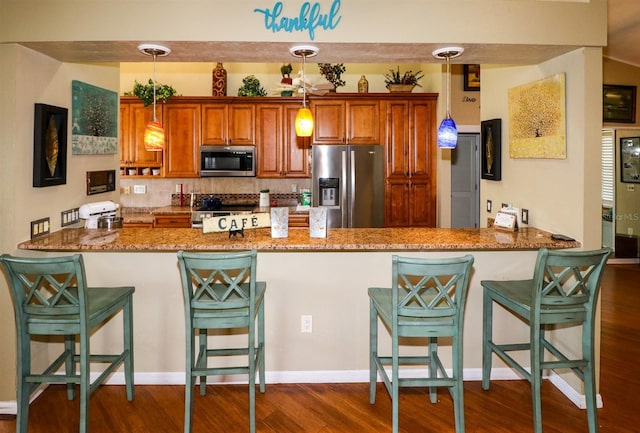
[
  {"x": 49, "y": 145},
  {"x": 491, "y": 149},
  {"x": 618, "y": 103}
]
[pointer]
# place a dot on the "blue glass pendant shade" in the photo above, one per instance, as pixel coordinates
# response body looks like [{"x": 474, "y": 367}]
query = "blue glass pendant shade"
[{"x": 447, "y": 134}]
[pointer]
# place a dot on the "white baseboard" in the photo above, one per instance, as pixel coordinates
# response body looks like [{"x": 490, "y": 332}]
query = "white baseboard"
[{"x": 322, "y": 376}]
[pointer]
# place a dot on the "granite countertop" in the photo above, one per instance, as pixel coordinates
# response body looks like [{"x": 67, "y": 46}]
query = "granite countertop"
[{"x": 376, "y": 239}]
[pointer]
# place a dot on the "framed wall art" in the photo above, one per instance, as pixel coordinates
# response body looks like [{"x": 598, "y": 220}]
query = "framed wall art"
[
  {"x": 49, "y": 145},
  {"x": 94, "y": 116},
  {"x": 491, "y": 149},
  {"x": 537, "y": 119},
  {"x": 630, "y": 159},
  {"x": 618, "y": 103},
  {"x": 471, "y": 80}
]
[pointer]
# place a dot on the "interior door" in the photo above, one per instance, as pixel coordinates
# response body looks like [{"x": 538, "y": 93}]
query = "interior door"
[{"x": 465, "y": 183}]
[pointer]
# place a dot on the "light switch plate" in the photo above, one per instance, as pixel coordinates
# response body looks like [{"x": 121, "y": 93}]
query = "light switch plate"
[
  {"x": 40, "y": 227},
  {"x": 139, "y": 189}
]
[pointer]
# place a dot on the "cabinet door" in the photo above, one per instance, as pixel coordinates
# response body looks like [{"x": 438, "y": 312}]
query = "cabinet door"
[
  {"x": 270, "y": 137},
  {"x": 182, "y": 128},
  {"x": 396, "y": 193},
  {"x": 422, "y": 203},
  {"x": 363, "y": 122},
  {"x": 397, "y": 163},
  {"x": 125, "y": 159},
  {"x": 242, "y": 124},
  {"x": 215, "y": 124},
  {"x": 422, "y": 138},
  {"x": 295, "y": 150},
  {"x": 225, "y": 124},
  {"x": 329, "y": 121},
  {"x": 133, "y": 140}
]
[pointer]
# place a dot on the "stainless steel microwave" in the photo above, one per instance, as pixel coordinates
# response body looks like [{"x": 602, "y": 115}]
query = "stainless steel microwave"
[{"x": 227, "y": 161}]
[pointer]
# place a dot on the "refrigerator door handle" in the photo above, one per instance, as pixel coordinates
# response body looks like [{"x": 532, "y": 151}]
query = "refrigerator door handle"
[
  {"x": 352, "y": 186},
  {"x": 343, "y": 191}
]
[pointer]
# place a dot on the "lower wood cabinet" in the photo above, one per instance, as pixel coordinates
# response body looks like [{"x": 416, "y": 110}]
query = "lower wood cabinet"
[
  {"x": 299, "y": 220},
  {"x": 172, "y": 220}
]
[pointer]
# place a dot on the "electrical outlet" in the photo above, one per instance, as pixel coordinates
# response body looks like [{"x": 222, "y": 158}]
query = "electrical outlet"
[
  {"x": 489, "y": 205},
  {"x": 69, "y": 217},
  {"x": 306, "y": 324},
  {"x": 630, "y": 231},
  {"x": 126, "y": 190},
  {"x": 525, "y": 216},
  {"x": 139, "y": 189},
  {"x": 631, "y": 188},
  {"x": 40, "y": 227}
]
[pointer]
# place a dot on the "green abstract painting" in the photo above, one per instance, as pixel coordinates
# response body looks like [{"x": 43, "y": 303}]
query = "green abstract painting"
[{"x": 94, "y": 113}]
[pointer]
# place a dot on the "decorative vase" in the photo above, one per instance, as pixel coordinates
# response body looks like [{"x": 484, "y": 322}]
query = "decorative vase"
[
  {"x": 400, "y": 88},
  {"x": 363, "y": 85},
  {"x": 219, "y": 81}
]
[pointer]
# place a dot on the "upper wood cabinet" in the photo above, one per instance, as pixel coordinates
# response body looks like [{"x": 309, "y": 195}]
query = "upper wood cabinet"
[
  {"x": 228, "y": 124},
  {"x": 134, "y": 117},
  {"x": 281, "y": 154},
  {"x": 410, "y": 183},
  {"x": 182, "y": 130},
  {"x": 346, "y": 121}
]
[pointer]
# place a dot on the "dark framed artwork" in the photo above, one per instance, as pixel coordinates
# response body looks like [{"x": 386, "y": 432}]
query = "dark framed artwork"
[
  {"x": 49, "y": 145},
  {"x": 471, "y": 77},
  {"x": 491, "y": 149},
  {"x": 630, "y": 159},
  {"x": 618, "y": 103}
]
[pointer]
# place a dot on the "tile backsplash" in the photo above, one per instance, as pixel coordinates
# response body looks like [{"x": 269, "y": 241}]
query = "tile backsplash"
[{"x": 164, "y": 192}]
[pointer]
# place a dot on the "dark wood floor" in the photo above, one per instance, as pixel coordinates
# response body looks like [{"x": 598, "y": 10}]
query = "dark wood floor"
[{"x": 328, "y": 408}]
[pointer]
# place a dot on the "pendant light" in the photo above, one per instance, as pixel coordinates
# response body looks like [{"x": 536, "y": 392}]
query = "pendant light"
[
  {"x": 154, "y": 139},
  {"x": 447, "y": 133},
  {"x": 304, "y": 118}
]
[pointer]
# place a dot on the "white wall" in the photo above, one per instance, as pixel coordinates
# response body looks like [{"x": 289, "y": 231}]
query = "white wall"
[{"x": 37, "y": 78}]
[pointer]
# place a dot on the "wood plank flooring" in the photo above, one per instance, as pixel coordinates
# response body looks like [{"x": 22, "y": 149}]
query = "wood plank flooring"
[{"x": 345, "y": 408}]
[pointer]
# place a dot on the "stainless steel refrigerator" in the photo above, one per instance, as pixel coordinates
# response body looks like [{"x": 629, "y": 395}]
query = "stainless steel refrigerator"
[{"x": 349, "y": 182}]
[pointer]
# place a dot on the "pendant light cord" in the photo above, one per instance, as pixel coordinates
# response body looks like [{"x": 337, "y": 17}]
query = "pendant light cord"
[
  {"x": 304, "y": 84},
  {"x": 155, "y": 119},
  {"x": 448, "y": 85}
]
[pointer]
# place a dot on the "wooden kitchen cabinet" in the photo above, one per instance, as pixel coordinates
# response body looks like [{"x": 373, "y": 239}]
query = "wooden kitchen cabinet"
[
  {"x": 281, "y": 154},
  {"x": 410, "y": 183},
  {"x": 182, "y": 131},
  {"x": 134, "y": 117},
  {"x": 228, "y": 124},
  {"x": 347, "y": 121},
  {"x": 172, "y": 220},
  {"x": 299, "y": 220}
]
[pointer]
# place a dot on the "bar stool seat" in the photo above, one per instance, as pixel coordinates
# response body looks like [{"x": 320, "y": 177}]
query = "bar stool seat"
[
  {"x": 427, "y": 299},
  {"x": 221, "y": 292},
  {"x": 51, "y": 297},
  {"x": 563, "y": 291}
]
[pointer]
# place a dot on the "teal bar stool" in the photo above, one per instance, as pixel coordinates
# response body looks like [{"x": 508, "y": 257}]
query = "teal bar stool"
[
  {"x": 427, "y": 299},
  {"x": 563, "y": 291},
  {"x": 50, "y": 297},
  {"x": 221, "y": 292}
]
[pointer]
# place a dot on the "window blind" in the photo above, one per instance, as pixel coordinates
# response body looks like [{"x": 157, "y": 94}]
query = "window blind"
[{"x": 608, "y": 167}]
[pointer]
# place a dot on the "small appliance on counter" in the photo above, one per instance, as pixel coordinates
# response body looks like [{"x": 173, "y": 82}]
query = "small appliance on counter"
[{"x": 93, "y": 213}]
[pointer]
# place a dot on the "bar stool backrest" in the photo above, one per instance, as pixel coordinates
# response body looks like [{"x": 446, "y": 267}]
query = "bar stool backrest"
[{"x": 567, "y": 283}]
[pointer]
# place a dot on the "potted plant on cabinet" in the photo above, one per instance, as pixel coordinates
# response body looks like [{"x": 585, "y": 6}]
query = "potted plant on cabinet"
[
  {"x": 332, "y": 73},
  {"x": 397, "y": 82},
  {"x": 145, "y": 92},
  {"x": 251, "y": 87}
]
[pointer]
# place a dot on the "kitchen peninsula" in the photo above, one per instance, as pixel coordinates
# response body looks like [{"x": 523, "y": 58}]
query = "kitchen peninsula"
[{"x": 325, "y": 278}]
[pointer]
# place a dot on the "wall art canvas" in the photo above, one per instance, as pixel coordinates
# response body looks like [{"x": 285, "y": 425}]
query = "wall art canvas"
[
  {"x": 537, "y": 119},
  {"x": 49, "y": 145},
  {"x": 94, "y": 114}
]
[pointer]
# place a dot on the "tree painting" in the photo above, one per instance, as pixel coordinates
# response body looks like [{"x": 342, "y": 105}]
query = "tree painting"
[{"x": 537, "y": 119}]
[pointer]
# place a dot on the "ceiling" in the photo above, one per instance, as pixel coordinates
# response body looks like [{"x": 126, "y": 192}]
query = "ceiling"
[{"x": 623, "y": 37}]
